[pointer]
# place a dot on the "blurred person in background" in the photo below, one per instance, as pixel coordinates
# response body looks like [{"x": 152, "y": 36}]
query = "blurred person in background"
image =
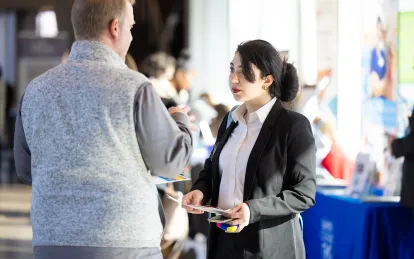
[
  {"x": 207, "y": 98},
  {"x": 130, "y": 62},
  {"x": 11, "y": 113},
  {"x": 160, "y": 68},
  {"x": 378, "y": 67},
  {"x": 65, "y": 56},
  {"x": 8, "y": 108},
  {"x": 214, "y": 112},
  {"x": 90, "y": 134},
  {"x": 2, "y": 111},
  {"x": 183, "y": 78},
  {"x": 334, "y": 159},
  {"x": 404, "y": 147},
  {"x": 262, "y": 168},
  {"x": 222, "y": 111}
]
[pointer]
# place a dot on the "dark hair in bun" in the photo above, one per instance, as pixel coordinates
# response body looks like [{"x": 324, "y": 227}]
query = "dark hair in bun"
[
  {"x": 290, "y": 83},
  {"x": 269, "y": 61}
]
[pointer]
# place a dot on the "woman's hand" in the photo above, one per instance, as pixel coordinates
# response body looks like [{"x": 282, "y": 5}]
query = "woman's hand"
[
  {"x": 240, "y": 215},
  {"x": 193, "y": 198}
]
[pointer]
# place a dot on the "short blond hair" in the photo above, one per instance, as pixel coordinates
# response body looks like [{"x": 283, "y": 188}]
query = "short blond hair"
[{"x": 91, "y": 17}]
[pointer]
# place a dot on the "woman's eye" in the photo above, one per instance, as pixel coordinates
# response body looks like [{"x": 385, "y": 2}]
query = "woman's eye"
[{"x": 231, "y": 69}]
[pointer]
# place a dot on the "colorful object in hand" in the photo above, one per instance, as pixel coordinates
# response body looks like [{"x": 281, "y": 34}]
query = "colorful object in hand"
[{"x": 227, "y": 227}]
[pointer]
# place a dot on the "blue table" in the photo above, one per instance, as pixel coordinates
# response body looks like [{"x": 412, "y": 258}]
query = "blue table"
[{"x": 344, "y": 227}]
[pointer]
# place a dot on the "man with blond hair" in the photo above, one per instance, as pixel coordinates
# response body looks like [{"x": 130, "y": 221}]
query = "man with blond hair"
[{"x": 89, "y": 135}]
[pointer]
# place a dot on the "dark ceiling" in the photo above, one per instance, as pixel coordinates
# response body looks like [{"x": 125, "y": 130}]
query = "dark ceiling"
[{"x": 160, "y": 24}]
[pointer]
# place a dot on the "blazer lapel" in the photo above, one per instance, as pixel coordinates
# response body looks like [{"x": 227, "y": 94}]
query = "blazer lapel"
[{"x": 259, "y": 146}]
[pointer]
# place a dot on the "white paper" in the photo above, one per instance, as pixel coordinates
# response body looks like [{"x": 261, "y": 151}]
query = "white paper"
[
  {"x": 202, "y": 208},
  {"x": 219, "y": 219}
]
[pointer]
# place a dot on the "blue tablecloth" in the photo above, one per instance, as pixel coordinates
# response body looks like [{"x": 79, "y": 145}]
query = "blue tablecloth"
[{"x": 344, "y": 227}]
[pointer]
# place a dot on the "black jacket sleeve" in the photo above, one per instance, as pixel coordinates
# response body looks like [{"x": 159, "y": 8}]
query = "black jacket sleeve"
[
  {"x": 299, "y": 181},
  {"x": 403, "y": 146}
]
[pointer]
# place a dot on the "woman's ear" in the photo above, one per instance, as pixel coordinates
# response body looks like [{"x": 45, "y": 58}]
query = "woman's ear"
[{"x": 268, "y": 80}]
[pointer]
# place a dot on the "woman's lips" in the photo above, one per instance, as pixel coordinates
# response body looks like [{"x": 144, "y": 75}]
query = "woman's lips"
[{"x": 235, "y": 90}]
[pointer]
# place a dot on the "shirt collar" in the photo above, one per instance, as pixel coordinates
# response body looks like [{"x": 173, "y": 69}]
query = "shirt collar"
[
  {"x": 95, "y": 51},
  {"x": 261, "y": 114}
]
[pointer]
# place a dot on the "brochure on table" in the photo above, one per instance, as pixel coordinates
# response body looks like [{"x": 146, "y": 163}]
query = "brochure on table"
[{"x": 361, "y": 177}]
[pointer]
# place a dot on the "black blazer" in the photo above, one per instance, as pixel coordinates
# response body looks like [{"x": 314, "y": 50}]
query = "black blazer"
[
  {"x": 405, "y": 147},
  {"x": 280, "y": 182}
]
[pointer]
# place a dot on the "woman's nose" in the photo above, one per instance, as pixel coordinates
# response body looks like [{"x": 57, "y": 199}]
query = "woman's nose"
[{"x": 234, "y": 78}]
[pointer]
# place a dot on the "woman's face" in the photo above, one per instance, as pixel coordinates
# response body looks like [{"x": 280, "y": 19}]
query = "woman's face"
[{"x": 242, "y": 89}]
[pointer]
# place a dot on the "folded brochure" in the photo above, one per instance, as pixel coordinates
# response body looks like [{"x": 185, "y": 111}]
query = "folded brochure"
[
  {"x": 203, "y": 208},
  {"x": 163, "y": 180}
]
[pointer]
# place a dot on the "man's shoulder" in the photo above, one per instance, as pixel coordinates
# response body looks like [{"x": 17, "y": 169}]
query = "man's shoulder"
[
  {"x": 123, "y": 76},
  {"x": 132, "y": 79},
  {"x": 136, "y": 76},
  {"x": 47, "y": 76}
]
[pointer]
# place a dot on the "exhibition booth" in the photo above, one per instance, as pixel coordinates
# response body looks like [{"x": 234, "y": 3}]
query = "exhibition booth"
[{"x": 361, "y": 103}]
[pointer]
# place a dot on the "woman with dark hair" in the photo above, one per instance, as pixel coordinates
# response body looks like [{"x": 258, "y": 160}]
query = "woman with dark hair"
[{"x": 262, "y": 168}]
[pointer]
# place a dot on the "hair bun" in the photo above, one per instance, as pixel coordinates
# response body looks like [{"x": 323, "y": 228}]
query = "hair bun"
[{"x": 290, "y": 83}]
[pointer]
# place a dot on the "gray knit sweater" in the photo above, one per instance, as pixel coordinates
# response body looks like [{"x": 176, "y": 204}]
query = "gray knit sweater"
[{"x": 87, "y": 136}]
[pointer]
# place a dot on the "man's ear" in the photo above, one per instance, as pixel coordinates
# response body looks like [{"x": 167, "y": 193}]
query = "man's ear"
[{"x": 114, "y": 28}]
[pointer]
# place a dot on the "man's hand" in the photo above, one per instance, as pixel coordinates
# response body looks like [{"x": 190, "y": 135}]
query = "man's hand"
[
  {"x": 185, "y": 110},
  {"x": 193, "y": 198},
  {"x": 177, "y": 109},
  {"x": 240, "y": 215}
]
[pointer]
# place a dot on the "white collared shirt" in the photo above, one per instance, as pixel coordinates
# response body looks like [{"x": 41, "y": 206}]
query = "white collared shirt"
[{"x": 236, "y": 152}]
